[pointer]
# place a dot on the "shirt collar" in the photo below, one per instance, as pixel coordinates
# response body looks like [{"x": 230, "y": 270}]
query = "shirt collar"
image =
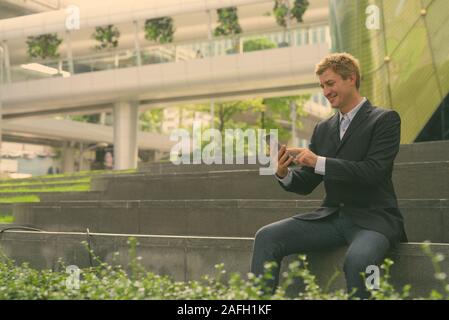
[{"x": 351, "y": 114}]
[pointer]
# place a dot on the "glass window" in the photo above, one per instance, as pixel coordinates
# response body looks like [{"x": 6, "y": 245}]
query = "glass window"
[
  {"x": 298, "y": 37},
  {"x": 322, "y": 34},
  {"x": 314, "y": 35}
]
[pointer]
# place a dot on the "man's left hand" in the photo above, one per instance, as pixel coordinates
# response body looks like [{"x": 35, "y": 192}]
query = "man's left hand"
[{"x": 304, "y": 157}]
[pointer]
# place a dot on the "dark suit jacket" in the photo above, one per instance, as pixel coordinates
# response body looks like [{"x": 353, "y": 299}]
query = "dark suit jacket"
[{"x": 358, "y": 171}]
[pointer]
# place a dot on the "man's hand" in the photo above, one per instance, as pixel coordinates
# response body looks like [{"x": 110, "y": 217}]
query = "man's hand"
[
  {"x": 305, "y": 157},
  {"x": 284, "y": 160}
]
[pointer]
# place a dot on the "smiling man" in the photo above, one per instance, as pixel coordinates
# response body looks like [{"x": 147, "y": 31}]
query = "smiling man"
[{"x": 352, "y": 152}]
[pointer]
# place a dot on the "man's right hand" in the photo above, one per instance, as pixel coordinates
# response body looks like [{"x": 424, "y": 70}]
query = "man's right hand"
[{"x": 284, "y": 160}]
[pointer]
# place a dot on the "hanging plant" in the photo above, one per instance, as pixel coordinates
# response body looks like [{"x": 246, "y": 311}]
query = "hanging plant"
[
  {"x": 43, "y": 46},
  {"x": 283, "y": 14},
  {"x": 107, "y": 36},
  {"x": 282, "y": 11},
  {"x": 298, "y": 10},
  {"x": 228, "y": 26},
  {"x": 160, "y": 30},
  {"x": 228, "y": 22}
]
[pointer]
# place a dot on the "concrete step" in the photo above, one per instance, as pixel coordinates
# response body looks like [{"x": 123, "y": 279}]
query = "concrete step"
[
  {"x": 168, "y": 167},
  {"x": 424, "y": 152},
  {"x": 48, "y": 178},
  {"x": 426, "y": 180},
  {"x": 66, "y": 178},
  {"x": 54, "y": 196},
  {"x": 416, "y": 152},
  {"x": 70, "y": 196},
  {"x": 189, "y": 258},
  {"x": 6, "y": 209},
  {"x": 424, "y": 219}
]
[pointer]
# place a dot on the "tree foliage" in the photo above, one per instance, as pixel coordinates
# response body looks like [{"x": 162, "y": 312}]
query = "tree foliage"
[{"x": 151, "y": 120}]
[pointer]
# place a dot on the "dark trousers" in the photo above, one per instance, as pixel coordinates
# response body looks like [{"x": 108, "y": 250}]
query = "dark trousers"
[{"x": 293, "y": 236}]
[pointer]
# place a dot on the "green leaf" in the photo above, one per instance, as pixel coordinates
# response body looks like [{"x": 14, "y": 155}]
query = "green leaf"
[
  {"x": 43, "y": 46},
  {"x": 107, "y": 36},
  {"x": 160, "y": 30}
]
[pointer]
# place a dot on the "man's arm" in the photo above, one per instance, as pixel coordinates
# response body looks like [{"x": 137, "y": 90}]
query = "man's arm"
[
  {"x": 301, "y": 180},
  {"x": 379, "y": 161}
]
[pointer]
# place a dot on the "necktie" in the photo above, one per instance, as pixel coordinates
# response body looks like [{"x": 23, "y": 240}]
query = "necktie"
[{"x": 344, "y": 124}]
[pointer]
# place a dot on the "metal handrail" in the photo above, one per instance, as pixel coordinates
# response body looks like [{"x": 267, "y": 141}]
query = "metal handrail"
[
  {"x": 179, "y": 51},
  {"x": 248, "y": 36}
]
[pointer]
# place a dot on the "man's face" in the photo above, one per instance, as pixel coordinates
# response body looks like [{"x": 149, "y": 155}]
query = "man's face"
[{"x": 336, "y": 89}]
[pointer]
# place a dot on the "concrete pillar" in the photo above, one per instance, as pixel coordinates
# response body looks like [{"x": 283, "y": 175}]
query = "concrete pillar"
[
  {"x": 103, "y": 118},
  {"x": 68, "y": 157},
  {"x": 6, "y": 63},
  {"x": 158, "y": 155},
  {"x": 210, "y": 35},
  {"x": 83, "y": 163},
  {"x": 70, "y": 52},
  {"x": 137, "y": 44},
  {"x": 125, "y": 135},
  {"x": 212, "y": 113}
]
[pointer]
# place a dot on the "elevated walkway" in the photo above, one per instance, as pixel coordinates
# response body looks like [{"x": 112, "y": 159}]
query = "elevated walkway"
[
  {"x": 281, "y": 71},
  {"x": 67, "y": 130}
]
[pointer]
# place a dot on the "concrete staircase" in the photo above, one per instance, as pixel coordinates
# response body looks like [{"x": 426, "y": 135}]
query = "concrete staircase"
[
  {"x": 424, "y": 219},
  {"x": 189, "y": 218}
]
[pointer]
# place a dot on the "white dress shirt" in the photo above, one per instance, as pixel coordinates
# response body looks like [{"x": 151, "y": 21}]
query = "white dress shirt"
[{"x": 320, "y": 167}]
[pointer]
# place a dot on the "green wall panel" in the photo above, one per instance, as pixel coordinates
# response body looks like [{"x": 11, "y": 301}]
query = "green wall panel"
[{"x": 405, "y": 64}]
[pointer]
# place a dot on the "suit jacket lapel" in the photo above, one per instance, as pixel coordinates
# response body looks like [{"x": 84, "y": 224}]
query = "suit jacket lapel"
[
  {"x": 361, "y": 115},
  {"x": 335, "y": 129}
]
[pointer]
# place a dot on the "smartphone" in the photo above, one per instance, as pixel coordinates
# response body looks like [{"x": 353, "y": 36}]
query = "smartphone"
[{"x": 270, "y": 140}]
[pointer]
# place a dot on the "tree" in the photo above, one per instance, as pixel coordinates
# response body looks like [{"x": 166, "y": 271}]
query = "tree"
[
  {"x": 89, "y": 118},
  {"x": 151, "y": 120},
  {"x": 225, "y": 113},
  {"x": 274, "y": 111},
  {"x": 268, "y": 113}
]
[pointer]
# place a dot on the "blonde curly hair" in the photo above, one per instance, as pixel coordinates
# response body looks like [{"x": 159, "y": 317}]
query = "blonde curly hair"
[{"x": 343, "y": 64}]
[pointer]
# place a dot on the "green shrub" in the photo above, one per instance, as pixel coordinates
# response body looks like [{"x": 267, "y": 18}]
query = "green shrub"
[
  {"x": 258, "y": 44},
  {"x": 6, "y": 219},
  {"x": 111, "y": 281}
]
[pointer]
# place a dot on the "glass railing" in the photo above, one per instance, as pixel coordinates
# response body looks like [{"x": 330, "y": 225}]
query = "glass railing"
[{"x": 170, "y": 53}]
